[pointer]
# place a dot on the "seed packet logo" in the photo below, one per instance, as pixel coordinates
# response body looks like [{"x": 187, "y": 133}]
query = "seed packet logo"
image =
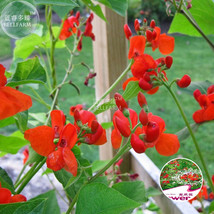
[
  {"x": 181, "y": 179},
  {"x": 19, "y": 19}
]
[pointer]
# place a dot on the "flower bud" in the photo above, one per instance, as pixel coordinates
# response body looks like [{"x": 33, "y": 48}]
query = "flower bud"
[
  {"x": 141, "y": 99},
  {"x": 120, "y": 102},
  {"x": 152, "y": 132},
  {"x": 145, "y": 21},
  {"x": 123, "y": 128},
  {"x": 136, "y": 25},
  {"x": 137, "y": 144},
  {"x": 127, "y": 31},
  {"x": 76, "y": 115},
  {"x": 196, "y": 94},
  {"x": 149, "y": 36},
  {"x": 143, "y": 117},
  {"x": 210, "y": 90},
  {"x": 145, "y": 85},
  {"x": 94, "y": 126},
  {"x": 152, "y": 23},
  {"x": 154, "y": 34},
  {"x": 184, "y": 81},
  {"x": 168, "y": 61},
  {"x": 78, "y": 15}
]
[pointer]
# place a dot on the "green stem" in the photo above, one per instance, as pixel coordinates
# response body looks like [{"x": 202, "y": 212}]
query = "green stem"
[
  {"x": 192, "y": 135},
  {"x": 28, "y": 178},
  {"x": 20, "y": 174},
  {"x": 112, "y": 87},
  {"x": 52, "y": 48},
  {"x": 195, "y": 25}
]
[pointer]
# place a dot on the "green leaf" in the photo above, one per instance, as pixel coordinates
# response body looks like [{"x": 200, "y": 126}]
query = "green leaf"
[
  {"x": 95, "y": 8},
  {"x": 29, "y": 71},
  {"x": 211, "y": 207},
  {"x": 70, "y": 3},
  {"x": 51, "y": 204},
  {"x": 63, "y": 10},
  {"x": 105, "y": 106},
  {"x": 119, "y": 6},
  {"x": 46, "y": 39},
  {"x": 76, "y": 150},
  {"x": 12, "y": 144},
  {"x": 151, "y": 192},
  {"x": 47, "y": 171},
  {"x": 97, "y": 198},
  {"x": 98, "y": 164},
  {"x": 132, "y": 89},
  {"x": 86, "y": 166},
  {"x": 184, "y": 133},
  {"x": 2, "y": 154},
  {"x": 134, "y": 190},
  {"x": 29, "y": 207},
  {"x": 21, "y": 120},
  {"x": 25, "y": 46},
  {"x": 202, "y": 86},
  {"x": 73, "y": 179},
  {"x": 153, "y": 207},
  {"x": 202, "y": 12},
  {"x": 6, "y": 181},
  {"x": 6, "y": 122},
  {"x": 107, "y": 125},
  {"x": 40, "y": 117}
]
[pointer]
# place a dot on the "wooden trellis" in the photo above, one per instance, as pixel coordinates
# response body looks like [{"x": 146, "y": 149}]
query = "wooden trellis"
[{"x": 110, "y": 59}]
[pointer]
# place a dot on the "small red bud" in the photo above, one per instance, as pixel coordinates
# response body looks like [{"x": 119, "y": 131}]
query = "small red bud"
[
  {"x": 143, "y": 117},
  {"x": 210, "y": 90},
  {"x": 145, "y": 20},
  {"x": 137, "y": 144},
  {"x": 136, "y": 25},
  {"x": 189, "y": 5},
  {"x": 168, "y": 61},
  {"x": 154, "y": 34},
  {"x": 122, "y": 127},
  {"x": 184, "y": 81},
  {"x": 152, "y": 132},
  {"x": 127, "y": 31},
  {"x": 120, "y": 102},
  {"x": 119, "y": 162},
  {"x": 94, "y": 126},
  {"x": 141, "y": 99},
  {"x": 152, "y": 23},
  {"x": 76, "y": 115},
  {"x": 78, "y": 15},
  {"x": 147, "y": 77},
  {"x": 145, "y": 85},
  {"x": 196, "y": 94},
  {"x": 149, "y": 36},
  {"x": 91, "y": 17}
]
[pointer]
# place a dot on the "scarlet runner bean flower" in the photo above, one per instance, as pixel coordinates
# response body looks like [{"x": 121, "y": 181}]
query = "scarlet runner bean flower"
[
  {"x": 12, "y": 100},
  {"x": 6, "y": 196},
  {"x": 86, "y": 120},
  {"x": 42, "y": 141},
  {"x": 206, "y": 101}
]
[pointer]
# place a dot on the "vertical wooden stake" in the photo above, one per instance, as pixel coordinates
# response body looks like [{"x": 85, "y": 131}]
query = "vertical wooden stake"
[{"x": 110, "y": 59}]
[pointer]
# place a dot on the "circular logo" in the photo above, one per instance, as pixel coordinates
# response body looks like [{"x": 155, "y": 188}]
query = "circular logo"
[
  {"x": 19, "y": 19},
  {"x": 181, "y": 179}
]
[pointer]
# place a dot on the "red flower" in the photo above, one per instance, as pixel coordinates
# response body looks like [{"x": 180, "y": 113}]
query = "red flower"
[
  {"x": 206, "y": 101},
  {"x": 6, "y": 197},
  {"x": 42, "y": 141},
  {"x": 137, "y": 46},
  {"x": 122, "y": 126},
  {"x": 12, "y": 101},
  {"x": 73, "y": 108},
  {"x": 26, "y": 155},
  {"x": 164, "y": 42},
  {"x": 69, "y": 27},
  {"x": 98, "y": 135},
  {"x": 184, "y": 82},
  {"x": 88, "y": 28},
  {"x": 127, "y": 31}
]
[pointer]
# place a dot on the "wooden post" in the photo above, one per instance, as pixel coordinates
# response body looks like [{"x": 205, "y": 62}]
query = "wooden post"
[{"x": 110, "y": 59}]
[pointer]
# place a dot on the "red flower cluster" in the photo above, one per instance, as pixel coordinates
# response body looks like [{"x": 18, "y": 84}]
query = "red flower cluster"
[
  {"x": 59, "y": 155},
  {"x": 72, "y": 26},
  {"x": 206, "y": 101},
  {"x": 190, "y": 176},
  {"x": 150, "y": 135},
  {"x": 145, "y": 69},
  {"x": 6, "y": 196},
  {"x": 12, "y": 100}
]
